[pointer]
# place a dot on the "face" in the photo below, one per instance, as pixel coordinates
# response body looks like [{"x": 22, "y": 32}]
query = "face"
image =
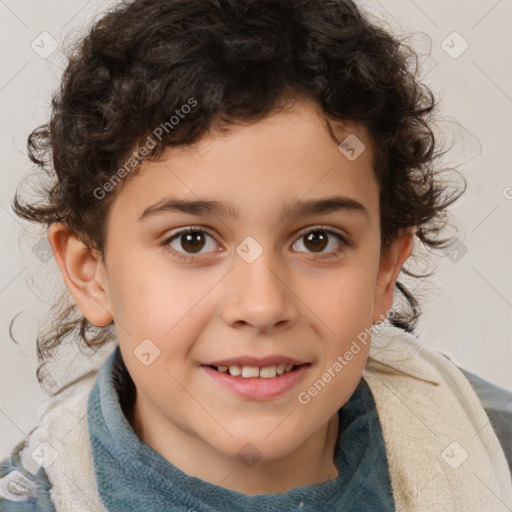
[{"x": 268, "y": 270}]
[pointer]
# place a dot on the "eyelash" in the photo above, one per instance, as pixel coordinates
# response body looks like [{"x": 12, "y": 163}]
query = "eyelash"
[{"x": 344, "y": 243}]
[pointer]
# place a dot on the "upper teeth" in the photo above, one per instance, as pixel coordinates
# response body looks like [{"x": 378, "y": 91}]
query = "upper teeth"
[{"x": 266, "y": 372}]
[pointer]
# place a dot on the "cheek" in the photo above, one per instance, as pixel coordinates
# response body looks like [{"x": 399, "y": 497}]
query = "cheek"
[
  {"x": 344, "y": 303},
  {"x": 347, "y": 295},
  {"x": 169, "y": 307},
  {"x": 149, "y": 297},
  {"x": 345, "y": 309}
]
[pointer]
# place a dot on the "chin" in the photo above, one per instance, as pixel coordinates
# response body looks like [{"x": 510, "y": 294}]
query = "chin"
[{"x": 251, "y": 449}]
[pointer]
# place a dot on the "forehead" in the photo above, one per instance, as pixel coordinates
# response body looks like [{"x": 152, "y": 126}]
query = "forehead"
[{"x": 258, "y": 169}]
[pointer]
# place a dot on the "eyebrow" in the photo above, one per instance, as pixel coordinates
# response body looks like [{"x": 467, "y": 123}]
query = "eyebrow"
[{"x": 301, "y": 208}]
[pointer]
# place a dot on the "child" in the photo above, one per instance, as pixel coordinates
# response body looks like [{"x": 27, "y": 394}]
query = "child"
[{"x": 237, "y": 187}]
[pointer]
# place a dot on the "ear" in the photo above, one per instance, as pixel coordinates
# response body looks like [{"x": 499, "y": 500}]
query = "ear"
[
  {"x": 391, "y": 262},
  {"x": 84, "y": 273}
]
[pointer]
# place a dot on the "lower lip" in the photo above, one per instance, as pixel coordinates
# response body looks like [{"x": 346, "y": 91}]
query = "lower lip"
[{"x": 257, "y": 388}]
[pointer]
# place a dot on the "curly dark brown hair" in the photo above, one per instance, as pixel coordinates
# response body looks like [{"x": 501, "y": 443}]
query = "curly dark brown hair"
[{"x": 240, "y": 60}]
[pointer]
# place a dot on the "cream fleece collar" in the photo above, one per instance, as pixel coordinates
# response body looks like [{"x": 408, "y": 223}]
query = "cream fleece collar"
[{"x": 443, "y": 454}]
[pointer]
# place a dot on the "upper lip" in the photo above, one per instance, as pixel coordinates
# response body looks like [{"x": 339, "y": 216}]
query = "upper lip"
[{"x": 261, "y": 362}]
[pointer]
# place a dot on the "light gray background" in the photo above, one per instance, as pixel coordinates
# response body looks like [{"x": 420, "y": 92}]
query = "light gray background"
[{"x": 467, "y": 306}]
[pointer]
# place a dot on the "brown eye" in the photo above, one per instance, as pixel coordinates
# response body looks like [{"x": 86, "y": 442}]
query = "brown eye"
[
  {"x": 316, "y": 241},
  {"x": 191, "y": 241}
]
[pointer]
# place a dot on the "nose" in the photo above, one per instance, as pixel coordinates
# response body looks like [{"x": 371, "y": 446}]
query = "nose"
[{"x": 259, "y": 295}]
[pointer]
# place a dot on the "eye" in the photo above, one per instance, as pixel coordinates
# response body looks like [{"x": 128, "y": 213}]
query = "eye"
[
  {"x": 192, "y": 241},
  {"x": 187, "y": 243},
  {"x": 318, "y": 239}
]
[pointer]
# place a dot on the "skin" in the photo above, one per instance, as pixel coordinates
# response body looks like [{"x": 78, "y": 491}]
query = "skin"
[{"x": 295, "y": 300}]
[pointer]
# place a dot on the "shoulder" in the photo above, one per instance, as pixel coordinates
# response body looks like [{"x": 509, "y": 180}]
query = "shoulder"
[
  {"x": 29, "y": 477},
  {"x": 20, "y": 490},
  {"x": 497, "y": 403}
]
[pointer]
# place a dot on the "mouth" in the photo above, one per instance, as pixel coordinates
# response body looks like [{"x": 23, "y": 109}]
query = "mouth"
[
  {"x": 254, "y": 372},
  {"x": 257, "y": 383}
]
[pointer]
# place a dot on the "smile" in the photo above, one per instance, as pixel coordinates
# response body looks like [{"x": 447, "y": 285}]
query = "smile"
[
  {"x": 267, "y": 372},
  {"x": 257, "y": 383}
]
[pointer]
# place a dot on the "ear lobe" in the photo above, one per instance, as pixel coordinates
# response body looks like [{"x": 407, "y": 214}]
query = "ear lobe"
[
  {"x": 391, "y": 263},
  {"x": 84, "y": 273}
]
